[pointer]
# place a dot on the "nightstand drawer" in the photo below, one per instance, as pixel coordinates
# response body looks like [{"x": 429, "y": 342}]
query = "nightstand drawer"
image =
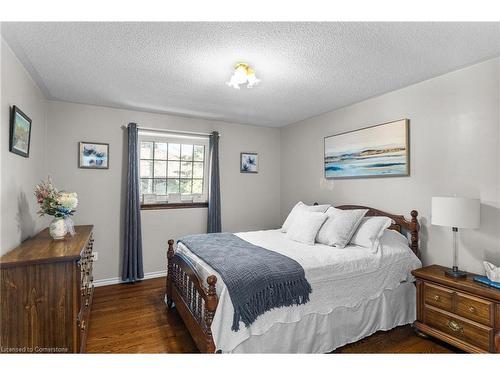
[
  {"x": 462, "y": 329},
  {"x": 438, "y": 296},
  {"x": 476, "y": 309}
]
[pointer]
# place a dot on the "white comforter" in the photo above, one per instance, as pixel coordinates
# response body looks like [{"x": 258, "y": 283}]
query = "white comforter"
[{"x": 338, "y": 277}]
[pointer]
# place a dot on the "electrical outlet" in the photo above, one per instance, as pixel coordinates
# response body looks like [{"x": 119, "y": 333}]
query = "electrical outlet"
[{"x": 96, "y": 255}]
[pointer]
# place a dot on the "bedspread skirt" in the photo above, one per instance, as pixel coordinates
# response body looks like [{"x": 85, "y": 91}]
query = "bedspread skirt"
[{"x": 340, "y": 327}]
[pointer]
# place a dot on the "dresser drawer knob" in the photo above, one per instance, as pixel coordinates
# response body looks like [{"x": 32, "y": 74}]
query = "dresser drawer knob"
[
  {"x": 472, "y": 309},
  {"x": 455, "y": 327},
  {"x": 436, "y": 298}
]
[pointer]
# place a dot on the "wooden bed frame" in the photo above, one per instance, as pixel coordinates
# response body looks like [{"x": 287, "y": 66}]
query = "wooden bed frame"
[{"x": 196, "y": 304}]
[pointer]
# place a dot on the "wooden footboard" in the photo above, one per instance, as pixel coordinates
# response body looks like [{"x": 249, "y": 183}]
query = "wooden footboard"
[{"x": 195, "y": 304}]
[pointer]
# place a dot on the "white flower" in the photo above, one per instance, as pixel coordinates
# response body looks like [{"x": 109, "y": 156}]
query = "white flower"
[{"x": 68, "y": 200}]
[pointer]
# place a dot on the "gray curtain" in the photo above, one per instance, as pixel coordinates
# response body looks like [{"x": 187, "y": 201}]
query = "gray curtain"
[
  {"x": 214, "y": 219},
  {"x": 132, "y": 251}
]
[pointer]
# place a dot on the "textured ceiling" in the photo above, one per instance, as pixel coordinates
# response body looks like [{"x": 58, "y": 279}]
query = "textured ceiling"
[{"x": 180, "y": 68}]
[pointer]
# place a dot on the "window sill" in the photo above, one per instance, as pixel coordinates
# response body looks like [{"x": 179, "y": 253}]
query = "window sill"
[{"x": 171, "y": 206}]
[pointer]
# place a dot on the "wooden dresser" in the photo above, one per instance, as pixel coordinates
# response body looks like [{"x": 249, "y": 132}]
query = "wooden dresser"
[
  {"x": 461, "y": 312},
  {"x": 46, "y": 294}
]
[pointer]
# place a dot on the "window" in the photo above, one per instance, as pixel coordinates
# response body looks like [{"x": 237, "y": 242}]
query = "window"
[{"x": 172, "y": 169}]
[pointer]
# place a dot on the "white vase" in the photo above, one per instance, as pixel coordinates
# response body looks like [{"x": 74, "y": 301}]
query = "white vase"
[{"x": 57, "y": 228}]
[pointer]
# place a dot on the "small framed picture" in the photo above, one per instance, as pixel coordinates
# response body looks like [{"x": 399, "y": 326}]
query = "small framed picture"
[
  {"x": 249, "y": 162},
  {"x": 187, "y": 198},
  {"x": 198, "y": 198},
  {"x": 174, "y": 198},
  {"x": 161, "y": 198},
  {"x": 149, "y": 199},
  {"x": 92, "y": 155},
  {"x": 20, "y": 132}
]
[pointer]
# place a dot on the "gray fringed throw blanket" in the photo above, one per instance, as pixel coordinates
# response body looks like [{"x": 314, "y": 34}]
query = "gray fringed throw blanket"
[{"x": 257, "y": 279}]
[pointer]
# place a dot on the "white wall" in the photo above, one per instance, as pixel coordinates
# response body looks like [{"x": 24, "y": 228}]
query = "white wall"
[
  {"x": 249, "y": 201},
  {"x": 18, "y": 219},
  {"x": 454, "y": 148}
]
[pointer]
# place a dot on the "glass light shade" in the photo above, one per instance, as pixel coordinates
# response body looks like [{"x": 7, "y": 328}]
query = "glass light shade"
[
  {"x": 252, "y": 80},
  {"x": 243, "y": 74}
]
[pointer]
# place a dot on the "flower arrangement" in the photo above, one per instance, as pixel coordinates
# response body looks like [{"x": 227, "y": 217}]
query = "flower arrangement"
[
  {"x": 53, "y": 202},
  {"x": 56, "y": 203}
]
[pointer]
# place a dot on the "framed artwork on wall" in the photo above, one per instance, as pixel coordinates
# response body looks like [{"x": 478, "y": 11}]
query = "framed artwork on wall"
[
  {"x": 376, "y": 151},
  {"x": 93, "y": 155},
  {"x": 249, "y": 162},
  {"x": 20, "y": 132}
]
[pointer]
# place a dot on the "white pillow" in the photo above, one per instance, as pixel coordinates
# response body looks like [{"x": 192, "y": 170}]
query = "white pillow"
[
  {"x": 298, "y": 209},
  {"x": 394, "y": 236},
  {"x": 339, "y": 227},
  {"x": 370, "y": 231},
  {"x": 306, "y": 226}
]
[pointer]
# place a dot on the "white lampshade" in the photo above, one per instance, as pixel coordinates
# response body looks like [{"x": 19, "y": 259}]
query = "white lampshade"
[{"x": 455, "y": 212}]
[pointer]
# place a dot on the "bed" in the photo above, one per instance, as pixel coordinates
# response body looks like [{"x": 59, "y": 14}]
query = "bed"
[{"x": 355, "y": 293}]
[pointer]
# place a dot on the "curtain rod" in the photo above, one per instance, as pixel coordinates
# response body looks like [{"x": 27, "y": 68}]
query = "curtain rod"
[{"x": 170, "y": 131}]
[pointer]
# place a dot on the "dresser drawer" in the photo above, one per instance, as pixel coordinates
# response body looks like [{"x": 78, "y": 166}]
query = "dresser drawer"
[
  {"x": 437, "y": 296},
  {"x": 474, "y": 308},
  {"x": 462, "y": 329}
]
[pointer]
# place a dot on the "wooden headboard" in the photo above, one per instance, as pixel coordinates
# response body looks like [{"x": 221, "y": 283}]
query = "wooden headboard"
[{"x": 400, "y": 224}]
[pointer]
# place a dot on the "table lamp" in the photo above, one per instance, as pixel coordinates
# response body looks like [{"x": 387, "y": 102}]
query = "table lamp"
[{"x": 455, "y": 212}]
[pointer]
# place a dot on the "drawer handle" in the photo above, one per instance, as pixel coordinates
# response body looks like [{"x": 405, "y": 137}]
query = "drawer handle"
[
  {"x": 472, "y": 309},
  {"x": 455, "y": 327},
  {"x": 436, "y": 298},
  {"x": 83, "y": 326}
]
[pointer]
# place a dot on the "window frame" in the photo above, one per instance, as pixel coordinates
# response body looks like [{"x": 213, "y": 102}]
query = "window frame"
[{"x": 166, "y": 137}]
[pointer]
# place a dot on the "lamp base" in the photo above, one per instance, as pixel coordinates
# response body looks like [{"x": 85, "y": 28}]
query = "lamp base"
[{"x": 455, "y": 273}]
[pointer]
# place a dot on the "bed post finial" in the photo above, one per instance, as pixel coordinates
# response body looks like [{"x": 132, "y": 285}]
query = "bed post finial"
[
  {"x": 414, "y": 233},
  {"x": 170, "y": 255},
  {"x": 210, "y": 307}
]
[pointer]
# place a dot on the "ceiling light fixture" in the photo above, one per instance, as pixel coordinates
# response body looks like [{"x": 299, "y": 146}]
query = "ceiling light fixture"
[{"x": 243, "y": 74}]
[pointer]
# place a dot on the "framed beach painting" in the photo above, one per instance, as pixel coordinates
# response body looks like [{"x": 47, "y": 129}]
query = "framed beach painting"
[
  {"x": 20, "y": 132},
  {"x": 93, "y": 155},
  {"x": 375, "y": 151},
  {"x": 249, "y": 162}
]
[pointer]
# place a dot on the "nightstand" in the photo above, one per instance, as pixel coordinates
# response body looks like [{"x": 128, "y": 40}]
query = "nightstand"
[{"x": 460, "y": 312}]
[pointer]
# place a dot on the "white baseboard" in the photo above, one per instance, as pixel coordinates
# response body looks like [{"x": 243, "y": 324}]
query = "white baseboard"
[{"x": 117, "y": 280}]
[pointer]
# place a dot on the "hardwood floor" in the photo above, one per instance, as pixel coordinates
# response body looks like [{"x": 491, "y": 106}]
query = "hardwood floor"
[
  {"x": 400, "y": 340},
  {"x": 132, "y": 318}
]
